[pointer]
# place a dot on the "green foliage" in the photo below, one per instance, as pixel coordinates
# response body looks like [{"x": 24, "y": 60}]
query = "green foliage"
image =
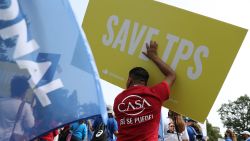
[
  {"x": 236, "y": 114},
  {"x": 212, "y": 133}
]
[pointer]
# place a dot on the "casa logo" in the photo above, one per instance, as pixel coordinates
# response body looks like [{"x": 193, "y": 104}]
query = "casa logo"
[{"x": 133, "y": 105}]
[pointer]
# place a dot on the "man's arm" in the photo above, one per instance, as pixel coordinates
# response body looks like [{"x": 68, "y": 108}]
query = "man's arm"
[
  {"x": 116, "y": 133},
  {"x": 115, "y": 128},
  {"x": 164, "y": 68}
]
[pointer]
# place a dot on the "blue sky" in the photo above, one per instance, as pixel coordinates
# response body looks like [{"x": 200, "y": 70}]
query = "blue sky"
[{"x": 235, "y": 12}]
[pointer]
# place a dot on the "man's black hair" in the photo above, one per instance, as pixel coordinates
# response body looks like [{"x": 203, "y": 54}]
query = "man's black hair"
[
  {"x": 19, "y": 85},
  {"x": 139, "y": 74}
]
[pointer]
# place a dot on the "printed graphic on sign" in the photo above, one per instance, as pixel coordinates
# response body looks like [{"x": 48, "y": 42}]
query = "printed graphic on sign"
[{"x": 200, "y": 49}]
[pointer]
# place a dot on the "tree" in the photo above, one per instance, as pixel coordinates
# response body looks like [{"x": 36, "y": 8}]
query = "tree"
[
  {"x": 236, "y": 114},
  {"x": 212, "y": 133}
]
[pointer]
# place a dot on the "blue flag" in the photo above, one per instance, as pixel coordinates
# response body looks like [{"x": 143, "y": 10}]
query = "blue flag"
[{"x": 48, "y": 77}]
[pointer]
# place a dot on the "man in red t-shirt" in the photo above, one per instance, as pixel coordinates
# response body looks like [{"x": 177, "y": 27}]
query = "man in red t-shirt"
[{"x": 138, "y": 108}]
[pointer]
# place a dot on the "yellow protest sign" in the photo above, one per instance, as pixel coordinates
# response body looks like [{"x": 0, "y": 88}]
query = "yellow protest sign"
[{"x": 201, "y": 50}]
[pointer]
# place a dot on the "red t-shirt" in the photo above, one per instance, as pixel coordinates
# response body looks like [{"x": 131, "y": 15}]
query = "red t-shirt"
[
  {"x": 137, "y": 110},
  {"x": 50, "y": 136}
]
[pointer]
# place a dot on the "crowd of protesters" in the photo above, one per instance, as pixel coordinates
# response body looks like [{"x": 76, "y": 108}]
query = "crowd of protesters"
[
  {"x": 137, "y": 110},
  {"x": 136, "y": 113},
  {"x": 176, "y": 128}
]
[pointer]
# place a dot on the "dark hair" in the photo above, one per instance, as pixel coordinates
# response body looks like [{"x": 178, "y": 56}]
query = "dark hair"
[
  {"x": 231, "y": 134},
  {"x": 110, "y": 115},
  {"x": 139, "y": 74},
  {"x": 19, "y": 85},
  {"x": 172, "y": 114},
  {"x": 81, "y": 121}
]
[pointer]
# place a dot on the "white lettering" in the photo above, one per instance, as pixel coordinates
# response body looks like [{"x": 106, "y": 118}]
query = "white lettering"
[
  {"x": 133, "y": 105},
  {"x": 179, "y": 53},
  {"x": 99, "y": 133},
  {"x": 200, "y": 50},
  {"x": 36, "y": 70},
  {"x": 23, "y": 47},
  {"x": 145, "y": 101},
  {"x": 42, "y": 91},
  {"x": 129, "y": 121},
  {"x": 184, "y": 50},
  {"x": 122, "y": 35},
  {"x": 11, "y": 12},
  {"x": 108, "y": 41},
  {"x": 134, "y": 41},
  {"x": 130, "y": 106},
  {"x": 171, "y": 40},
  {"x": 120, "y": 108},
  {"x": 142, "y": 119},
  {"x": 151, "y": 32},
  {"x": 122, "y": 121},
  {"x": 138, "y": 104}
]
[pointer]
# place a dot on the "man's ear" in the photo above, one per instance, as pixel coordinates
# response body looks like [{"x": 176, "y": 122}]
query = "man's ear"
[{"x": 129, "y": 82}]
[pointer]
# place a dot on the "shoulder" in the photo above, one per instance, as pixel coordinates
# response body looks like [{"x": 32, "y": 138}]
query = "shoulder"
[
  {"x": 113, "y": 120},
  {"x": 119, "y": 96},
  {"x": 27, "y": 109},
  {"x": 27, "y": 105},
  {"x": 163, "y": 84},
  {"x": 185, "y": 134},
  {"x": 83, "y": 125},
  {"x": 162, "y": 87}
]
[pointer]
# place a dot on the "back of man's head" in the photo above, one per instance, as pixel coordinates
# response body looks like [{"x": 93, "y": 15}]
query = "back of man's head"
[
  {"x": 19, "y": 85},
  {"x": 139, "y": 74}
]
